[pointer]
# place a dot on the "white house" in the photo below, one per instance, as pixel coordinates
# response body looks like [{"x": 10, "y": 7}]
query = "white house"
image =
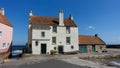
[{"x": 48, "y": 33}]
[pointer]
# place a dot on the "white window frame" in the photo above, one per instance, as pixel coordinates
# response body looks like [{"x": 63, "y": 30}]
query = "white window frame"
[
  {"x": 54, "y": 40},
  {"x": 42, "y": 34},
  {"x": 68, "y": 30},
  {"x": 54, "y": 30},
  {"x": 4, "y": 45},
  {"x": 68, "y": 42}
]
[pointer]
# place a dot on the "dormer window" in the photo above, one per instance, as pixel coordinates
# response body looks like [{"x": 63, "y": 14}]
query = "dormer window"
[
  {"x": 68, "y": 29},
  {"x": 0, "y": 34},
  {"x": 54, "y": 29}
]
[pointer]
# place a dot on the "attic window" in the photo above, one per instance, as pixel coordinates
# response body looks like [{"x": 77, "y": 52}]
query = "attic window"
[
  {"x": 54, "y": 29},
  {"x": 42, "y": 34},
  {"x": 68, "y": 29}
]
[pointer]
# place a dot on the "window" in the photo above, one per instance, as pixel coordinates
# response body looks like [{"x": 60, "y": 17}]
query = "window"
[
  {"x": 4, "y": 45},
  {"x": 0, "y": 34},
  {"x": 36, "y": 43},
  {"x": 54, "y": 48},
  {"x": 67, "y": 29},
  {"x": 53, "y": 40},
  {"x": 55, "y": 29},
  {"x": 72, "y": 47},
  {"x": 8, "y": 44},
  {"x": 42, "y": 34},
  {"x": 68, "y": 40}
]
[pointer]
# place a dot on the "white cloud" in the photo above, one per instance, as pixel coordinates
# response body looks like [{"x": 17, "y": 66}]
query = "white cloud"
[{"x": 91, "y": 27}]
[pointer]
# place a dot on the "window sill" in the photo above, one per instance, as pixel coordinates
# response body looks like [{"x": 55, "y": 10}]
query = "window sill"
[
  {"x": 67, "y": 33},
  {"x": 54, "y": 32},
  {"x": 67, "y": 43},
  {"x": 53, "y": 43}
]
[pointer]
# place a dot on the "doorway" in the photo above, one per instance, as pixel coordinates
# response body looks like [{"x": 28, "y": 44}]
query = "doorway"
[
  {"x": 43, "y": 48},
  {"x": 60, "y": 49}
]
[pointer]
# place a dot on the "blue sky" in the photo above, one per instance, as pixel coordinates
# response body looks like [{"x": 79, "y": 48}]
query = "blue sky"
[{"x": 91, "y": 16}]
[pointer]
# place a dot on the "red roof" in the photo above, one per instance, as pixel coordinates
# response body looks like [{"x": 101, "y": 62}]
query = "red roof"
[
  {"x": 4, "y": 20},
  {"x": 91, "y": 40},
  {"x": 50, "y": 21}
]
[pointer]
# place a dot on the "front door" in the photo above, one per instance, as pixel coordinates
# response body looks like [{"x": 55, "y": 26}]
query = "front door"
[
  {"x": 93, "y": 48},
  {"x": 60, "y": 49},
  {"x": 43, "y": 48}
]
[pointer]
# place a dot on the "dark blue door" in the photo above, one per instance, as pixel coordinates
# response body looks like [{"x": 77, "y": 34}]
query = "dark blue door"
[
  {"x": 43, "y": 48},
  {"x": 83, "y": 49},
  {"x": 60, "y": 49},
  {"x": 93, "y": 48}
]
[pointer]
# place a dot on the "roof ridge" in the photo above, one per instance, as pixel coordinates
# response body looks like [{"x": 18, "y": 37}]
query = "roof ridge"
[
  {"x": 4, "y": 20},
  {"x": 87, "y": 35},
  {"x": 87, "y": 39},
  {"x": 50, "y": 20}
]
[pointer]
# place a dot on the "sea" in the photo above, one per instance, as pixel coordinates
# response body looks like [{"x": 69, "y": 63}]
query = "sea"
[
  {"x": 17, "y": 47},
  {"x": 17, "y": 50}
]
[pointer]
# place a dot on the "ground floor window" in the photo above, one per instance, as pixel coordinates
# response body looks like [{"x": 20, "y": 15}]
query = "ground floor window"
[{"x": 4, "y": 45}]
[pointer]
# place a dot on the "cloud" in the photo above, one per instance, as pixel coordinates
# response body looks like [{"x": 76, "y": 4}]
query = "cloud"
[{"x": 91, "y": 27}]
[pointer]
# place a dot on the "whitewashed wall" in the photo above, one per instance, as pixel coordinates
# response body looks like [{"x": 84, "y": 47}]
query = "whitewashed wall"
[
  {"x": 36, "y": 36},
  {"x": 61, "y": 37}
]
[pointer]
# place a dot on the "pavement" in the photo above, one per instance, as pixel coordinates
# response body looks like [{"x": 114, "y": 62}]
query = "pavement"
[
  {"x": 53, "y": 64},
  {"x": 57, "y": 61}
]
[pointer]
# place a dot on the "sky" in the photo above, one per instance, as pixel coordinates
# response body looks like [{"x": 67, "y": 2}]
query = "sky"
[{"x": 100, "y": 17}]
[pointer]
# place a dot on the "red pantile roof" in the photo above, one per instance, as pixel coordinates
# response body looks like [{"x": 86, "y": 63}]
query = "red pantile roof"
[
  {"x": 50, "y": 21},
  {"x": 4, "y": 20},
  {"x": 91, "y": 40}
]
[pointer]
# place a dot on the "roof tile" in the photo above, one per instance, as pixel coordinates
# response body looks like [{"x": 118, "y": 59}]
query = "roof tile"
[
  {"x": 4, "y": 20},
  {"x": 50, "y": 21},
  {"x": 83, "y": 39}
]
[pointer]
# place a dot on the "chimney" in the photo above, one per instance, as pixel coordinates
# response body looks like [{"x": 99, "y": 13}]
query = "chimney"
[
  {"x": 96, "y": 35},
  {"x": 2, "y": 11},
  {"x": 61, "y": 18},
  {"x": 71, "y": 17},
  {"x": 31, "y": 13}
]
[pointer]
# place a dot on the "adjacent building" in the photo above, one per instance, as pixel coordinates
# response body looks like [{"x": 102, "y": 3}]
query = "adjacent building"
[
  {"x": 6, "y": 30},
  {"x": 89, "y": 44},
  {"x": 46, "y": 34}
]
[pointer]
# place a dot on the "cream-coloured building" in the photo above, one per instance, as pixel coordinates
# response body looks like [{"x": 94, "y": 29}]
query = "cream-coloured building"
[{"x": 46, "y": 34}]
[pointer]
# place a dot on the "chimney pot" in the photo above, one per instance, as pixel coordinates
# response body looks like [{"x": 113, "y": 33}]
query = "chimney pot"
[
  {"x": 96, "y": 35},
  {"x": 31, "y": 14},
  {"x": 2, "y": 11},
  {"x": 71, "y": 17}
]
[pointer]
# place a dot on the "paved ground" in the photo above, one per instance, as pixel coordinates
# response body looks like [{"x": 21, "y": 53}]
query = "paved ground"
[
  {"x": 52, "y": 64},
  {"x": 58, "y": 61}
]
